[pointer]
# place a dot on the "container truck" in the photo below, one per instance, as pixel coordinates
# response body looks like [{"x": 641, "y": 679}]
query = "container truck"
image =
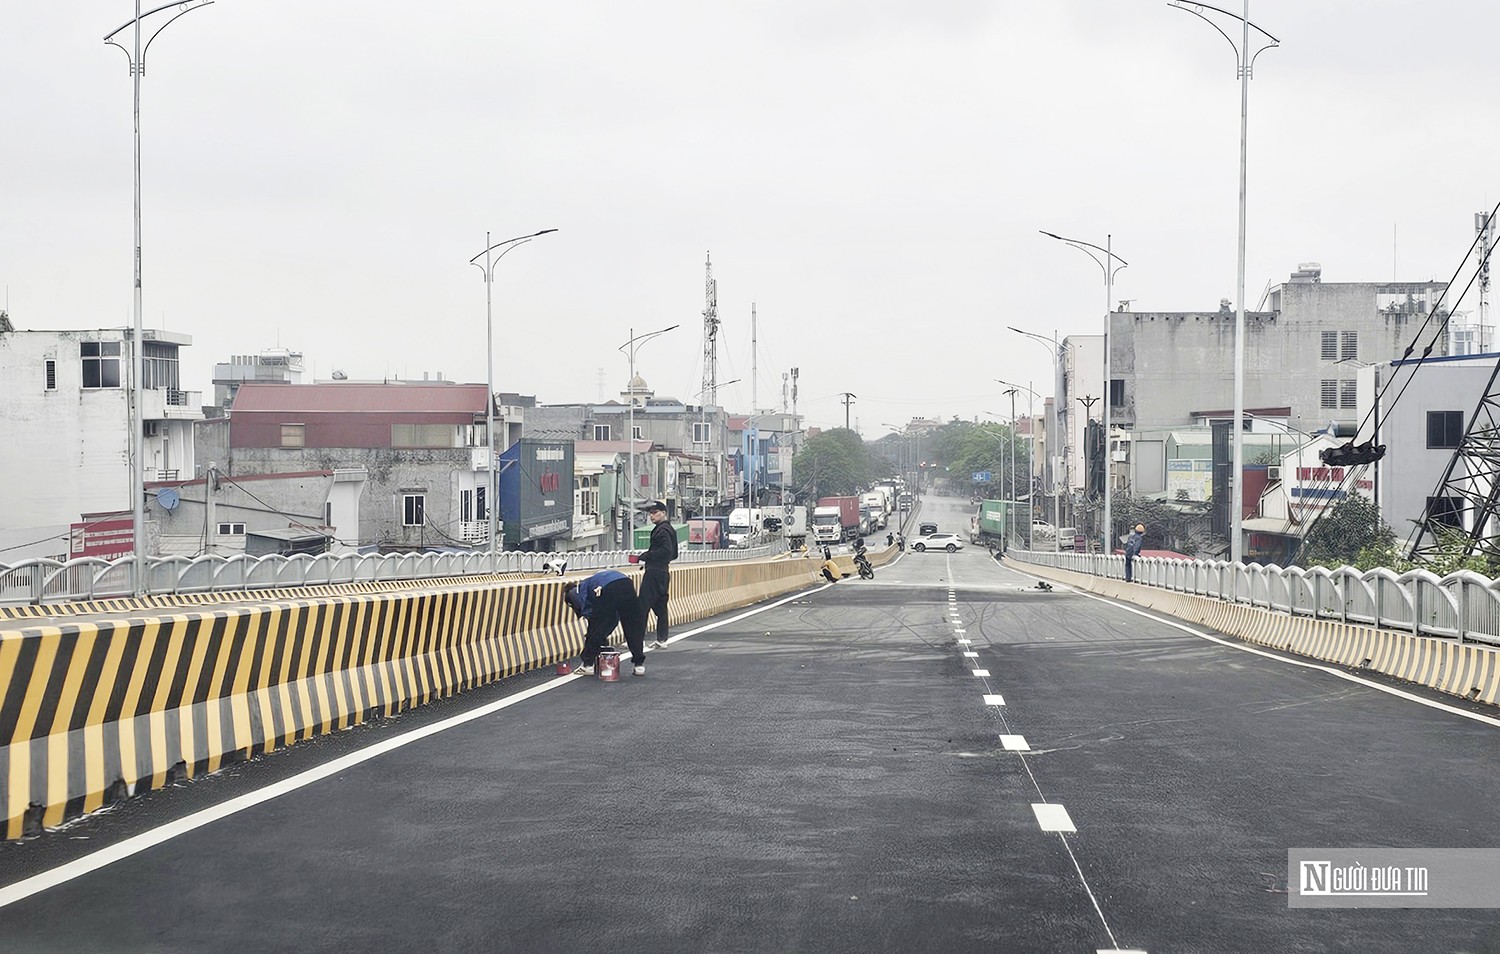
[
  {"x": 836, "y": 519},
  {"x": 880, "y": 506},
  {"x": 995, "y": 519},
  {"x": 708, "y": 532},
  {"x": 796, "y": 526}
]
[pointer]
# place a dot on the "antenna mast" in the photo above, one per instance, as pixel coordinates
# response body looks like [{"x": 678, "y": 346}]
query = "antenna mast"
[{"x": 710, "y": 333}]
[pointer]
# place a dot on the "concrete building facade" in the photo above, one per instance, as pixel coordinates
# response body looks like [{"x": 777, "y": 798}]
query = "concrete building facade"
[
  {"x": 1303, "y": 352},
  {"x": 422, "y": 446},
  {"x": 66, "y": 420}
]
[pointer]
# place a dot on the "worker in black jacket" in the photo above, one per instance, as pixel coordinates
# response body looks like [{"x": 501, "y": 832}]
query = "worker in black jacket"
[{"x": 657, "y": 578}]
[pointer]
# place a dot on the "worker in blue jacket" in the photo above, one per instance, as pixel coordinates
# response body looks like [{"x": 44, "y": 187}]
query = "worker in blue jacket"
[{"x": 607, "y": 599}]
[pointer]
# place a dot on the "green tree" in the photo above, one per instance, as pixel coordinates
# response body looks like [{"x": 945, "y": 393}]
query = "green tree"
[
  {"x": 964, "y": 448},
  {"x": 835, "y": 463},
  {"x": 1352, "y": 533}
]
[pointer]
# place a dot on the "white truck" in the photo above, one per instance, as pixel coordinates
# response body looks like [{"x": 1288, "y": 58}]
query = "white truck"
[
  {"x": 743, "y": 521},
  {"x": 879, "y": 503},
  {"x": 795, "y": 525}
]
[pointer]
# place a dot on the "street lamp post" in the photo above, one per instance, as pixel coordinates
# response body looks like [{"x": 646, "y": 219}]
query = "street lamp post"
[
  {"x": 492, "y": 492},
  {"x": 630, "y": 347},
  {"x": 136, "y": 54},
  {"x": 1108, "y": 265},
  {"x": 1049, "y": 469},
  {"x": 1031, "y": 454},
  {"x": 1244, "y": 63}
]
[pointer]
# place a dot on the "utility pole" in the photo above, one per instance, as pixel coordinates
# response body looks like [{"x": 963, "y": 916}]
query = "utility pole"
[{"x": 847, "y": 398}]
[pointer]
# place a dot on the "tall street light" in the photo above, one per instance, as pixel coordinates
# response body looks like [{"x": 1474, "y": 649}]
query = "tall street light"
[
  {"x": 1244, "y": 63},
  {"x": 630, "y": 347},
  {"x": 136, "y": 54},
  {"x": 1108, "y": 265},
  {"x": 1054, "y": 443},
  {"x": 1031, "y": 455},
  {"x": 492, "y": 493}
]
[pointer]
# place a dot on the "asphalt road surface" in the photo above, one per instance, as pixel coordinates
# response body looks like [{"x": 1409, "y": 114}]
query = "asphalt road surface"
[{"x": 830, "y": 773}]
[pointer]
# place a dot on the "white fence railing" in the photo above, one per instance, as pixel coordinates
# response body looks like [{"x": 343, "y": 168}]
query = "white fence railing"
[
  {"x": 52, "y": 581},
  {"x": 1462, "y": 606}
]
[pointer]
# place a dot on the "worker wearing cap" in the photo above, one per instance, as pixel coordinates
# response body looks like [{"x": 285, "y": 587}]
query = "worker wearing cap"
[
  {"x": 1133, "y": 549},
  {"x": 658, "y": 579}
]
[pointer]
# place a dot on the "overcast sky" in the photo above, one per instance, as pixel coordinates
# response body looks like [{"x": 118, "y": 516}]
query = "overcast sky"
[{"x": 871, "y": 174}]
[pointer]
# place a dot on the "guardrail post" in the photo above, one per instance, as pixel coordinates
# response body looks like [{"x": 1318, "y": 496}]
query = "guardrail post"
[
  {"x": 1463, "y": 610},
  {"x": 38, "y": 584}
]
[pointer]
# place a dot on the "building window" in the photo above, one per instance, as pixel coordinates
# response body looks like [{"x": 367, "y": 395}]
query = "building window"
[
  {"x": 1446, "y": 511},
  {"x": 481, "y": 509},
  {"x": 159, "y": 366},
  {"x": 101, "y": 363},
  {"x": 1349, "y": 346},
  {"x": 1445, "y": 429},
  {"x": 1330, "y": 393},
  {"x": 466, "y": 505},
  {"x": 601, "y": 432},
  {"x": 49, "y": 374},
  {"x": 413, "y": 510},
  {"x": 635, "y": 431},
  {"x": 294, "y": 435},
  {"x": 1330, "y": 347},
  {"x": 1348, "y": 394},
  {"x": 231, "y": 529},
  {"x": 1117, "y": 392},
  {"x": 702, "y": 433}
]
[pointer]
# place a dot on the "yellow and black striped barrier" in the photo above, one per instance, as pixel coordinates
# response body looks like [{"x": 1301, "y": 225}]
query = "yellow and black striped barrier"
[{"x": 95, "y": 710}]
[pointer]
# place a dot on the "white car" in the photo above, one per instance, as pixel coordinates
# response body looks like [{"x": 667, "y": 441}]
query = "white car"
[{"x": 938, "y": 541}]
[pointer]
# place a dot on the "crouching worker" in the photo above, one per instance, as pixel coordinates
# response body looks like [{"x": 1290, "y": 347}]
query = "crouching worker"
[
  {"x": 830, "y": 568},
  {"x": 607, "y": 599}
]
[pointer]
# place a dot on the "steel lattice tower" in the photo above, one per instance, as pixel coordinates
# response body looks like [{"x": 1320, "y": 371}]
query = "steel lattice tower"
[
  {"x": 710, "y": 394},
  {"x": 1472, "y": 477}
]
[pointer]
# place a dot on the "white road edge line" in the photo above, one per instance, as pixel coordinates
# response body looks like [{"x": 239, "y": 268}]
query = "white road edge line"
[
  {"x": 136, "y": 844},
  {"x": 1232, "y": 644}
]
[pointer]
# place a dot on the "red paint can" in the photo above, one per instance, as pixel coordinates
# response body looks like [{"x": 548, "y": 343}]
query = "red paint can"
[{"x": 607, "y": 667}]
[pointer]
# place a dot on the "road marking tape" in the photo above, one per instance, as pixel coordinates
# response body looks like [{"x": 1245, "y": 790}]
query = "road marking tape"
[{"x": 1052, "y": 817}]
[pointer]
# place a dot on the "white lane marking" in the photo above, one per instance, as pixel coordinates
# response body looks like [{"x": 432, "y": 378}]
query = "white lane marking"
[
  {"x": 1052, "y": 817},
  {"x": 1119, "y": 950},
  {"x": 965, "y": 642},
  {"x": 969, "y": 655},
  {"x": 1177, "y": 624},
  {"x": 994, "y": 699},
  {"x": 79, "y": 867},
  {"x": 1014, "y": 743},
  {"x": 982, "y": 673},
  {"x": 960, "y": 630}
]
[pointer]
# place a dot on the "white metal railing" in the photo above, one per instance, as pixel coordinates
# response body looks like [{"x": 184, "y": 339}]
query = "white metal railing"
[
  {"x": 1462, "y": 606},
  {"x": 53, "y": 581}
]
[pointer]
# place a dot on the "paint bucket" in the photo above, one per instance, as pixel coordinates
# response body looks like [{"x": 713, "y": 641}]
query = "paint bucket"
[{"x": 607, "y": 667}]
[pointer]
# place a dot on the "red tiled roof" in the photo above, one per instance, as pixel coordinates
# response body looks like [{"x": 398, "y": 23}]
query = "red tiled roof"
[{"x": 355, "y": 398}]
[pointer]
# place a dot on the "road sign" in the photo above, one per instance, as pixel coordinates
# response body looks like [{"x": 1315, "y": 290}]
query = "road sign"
[{"x": 982, "y": 476}]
